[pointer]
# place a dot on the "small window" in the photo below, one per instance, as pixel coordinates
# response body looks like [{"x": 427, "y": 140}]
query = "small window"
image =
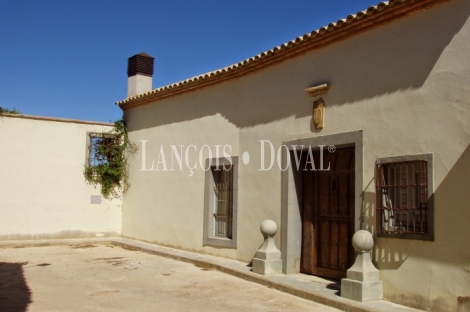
[
  {"x": 98, "y": 142},
  {"x": 220, "y": 226},
  {"x": 222, "y": 202},
  {"x": 403, "y": 196}
]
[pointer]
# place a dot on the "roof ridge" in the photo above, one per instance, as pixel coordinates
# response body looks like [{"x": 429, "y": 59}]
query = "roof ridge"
[{"x": 290, "y": 48}]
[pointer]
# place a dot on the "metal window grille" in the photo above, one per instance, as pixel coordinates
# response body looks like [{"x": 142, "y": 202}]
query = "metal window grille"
[
  {"x": 222, "y": 201},
  {"x": 402, "y": 197},
  {"x": 97, "y": 141}
]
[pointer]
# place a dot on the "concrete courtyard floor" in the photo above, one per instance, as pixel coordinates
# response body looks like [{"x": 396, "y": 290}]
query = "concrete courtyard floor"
[{"x": 110, "y": 278}]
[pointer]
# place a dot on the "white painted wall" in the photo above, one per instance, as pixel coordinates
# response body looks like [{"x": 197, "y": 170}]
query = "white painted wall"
[
  {"x": 43, "y": 193},
  {"x": 138, "y": 84},
  {"x": 405, "y": 85}
]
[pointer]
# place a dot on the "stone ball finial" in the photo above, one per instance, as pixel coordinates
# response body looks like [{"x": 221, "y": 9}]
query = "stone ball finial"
[
  {"x": 268, "y": 228},
  {"x": 362, "y": 241}
]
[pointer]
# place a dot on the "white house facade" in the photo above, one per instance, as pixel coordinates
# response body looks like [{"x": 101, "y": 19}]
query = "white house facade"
[{"x": 362, "y": 124}]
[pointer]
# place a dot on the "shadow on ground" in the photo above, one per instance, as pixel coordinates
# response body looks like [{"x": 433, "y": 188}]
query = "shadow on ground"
[{"x": 15, "y": 295}]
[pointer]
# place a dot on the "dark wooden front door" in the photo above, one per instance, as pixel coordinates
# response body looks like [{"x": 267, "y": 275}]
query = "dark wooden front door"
[{"x": 328, "y": 214}]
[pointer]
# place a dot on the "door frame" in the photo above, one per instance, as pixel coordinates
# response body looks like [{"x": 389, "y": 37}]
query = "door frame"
[{"x": 291, "y": 192}]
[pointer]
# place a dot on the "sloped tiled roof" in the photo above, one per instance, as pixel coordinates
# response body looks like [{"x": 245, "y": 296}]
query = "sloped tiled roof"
[{"x": 372, "y": 17}]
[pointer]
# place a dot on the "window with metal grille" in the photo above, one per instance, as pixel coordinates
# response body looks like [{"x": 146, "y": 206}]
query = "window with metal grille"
[
  {"x": 220, "y": 213},
  {"x": 403, "y": 203},
  {"x": 98, "y": 148},
  {"x": 222, "y": 201}
]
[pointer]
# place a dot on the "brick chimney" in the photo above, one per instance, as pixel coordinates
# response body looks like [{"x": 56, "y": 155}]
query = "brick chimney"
[{"x": 139, "y": 73}]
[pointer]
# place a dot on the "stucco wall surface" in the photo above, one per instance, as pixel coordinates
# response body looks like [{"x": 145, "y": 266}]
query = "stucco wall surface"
[
  {"x": 43, "y": 191},
  {"x": 404, "y": 85}
]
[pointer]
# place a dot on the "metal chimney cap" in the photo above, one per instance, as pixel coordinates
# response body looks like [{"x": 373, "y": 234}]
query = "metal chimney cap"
[{"x": 141, "y": 64}]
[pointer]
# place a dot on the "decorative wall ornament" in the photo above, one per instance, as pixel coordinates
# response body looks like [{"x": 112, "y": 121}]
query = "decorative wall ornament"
[
  {"x": 319, "y": 114},
  {"x": 318, "y": 90}
]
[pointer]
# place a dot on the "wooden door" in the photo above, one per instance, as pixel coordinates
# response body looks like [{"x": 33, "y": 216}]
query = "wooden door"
[{"x": 328, "y": 214}]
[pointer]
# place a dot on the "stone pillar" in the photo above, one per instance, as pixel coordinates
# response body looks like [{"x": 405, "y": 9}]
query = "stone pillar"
[
  {"x": 363, "y": 279},
  {"x": 267, "y": 259}
]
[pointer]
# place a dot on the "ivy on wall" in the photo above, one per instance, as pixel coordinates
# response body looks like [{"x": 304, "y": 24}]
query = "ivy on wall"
[
  {"x": 9, "y": 111},
  {"x": 110, "y": 168}
]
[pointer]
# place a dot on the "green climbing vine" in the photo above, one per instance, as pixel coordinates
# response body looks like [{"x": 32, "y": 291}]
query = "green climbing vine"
[
  {"x": 109, "y": 154},
  {"x": 9, "y": 111}
]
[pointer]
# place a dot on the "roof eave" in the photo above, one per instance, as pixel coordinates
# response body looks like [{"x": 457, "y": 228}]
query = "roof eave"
[{"x": 374, "y": 16}]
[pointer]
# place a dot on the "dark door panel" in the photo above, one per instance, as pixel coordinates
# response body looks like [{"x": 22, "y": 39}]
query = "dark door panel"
[{"x": 328, "y": 214}]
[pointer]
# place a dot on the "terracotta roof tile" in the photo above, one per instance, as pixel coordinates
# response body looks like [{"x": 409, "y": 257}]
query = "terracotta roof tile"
[{"x": 373, "y": 16}]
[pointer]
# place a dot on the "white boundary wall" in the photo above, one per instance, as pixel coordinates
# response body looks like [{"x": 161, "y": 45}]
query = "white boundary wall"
[{"x": 43, "y": 193}]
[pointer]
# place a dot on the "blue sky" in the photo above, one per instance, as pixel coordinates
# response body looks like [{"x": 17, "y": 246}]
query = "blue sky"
[{"x": 69, "y": 58}]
